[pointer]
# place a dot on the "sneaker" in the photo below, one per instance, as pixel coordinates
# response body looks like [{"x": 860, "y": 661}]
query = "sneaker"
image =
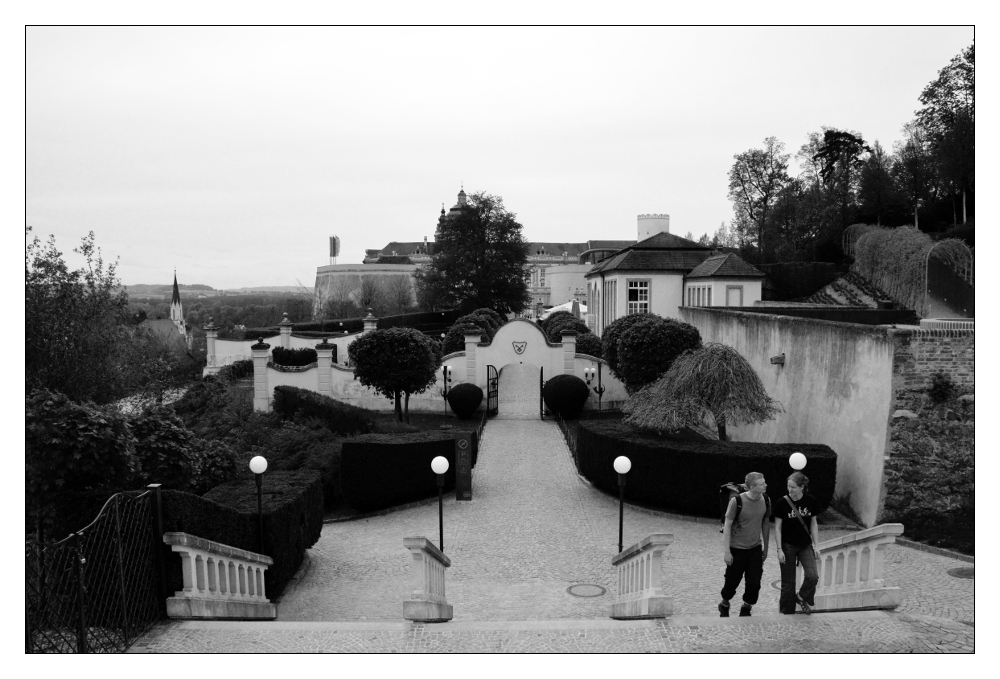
[
  {"x": 745, "y": 611},
  {"x": 806, "y": 608},
  {"x": 724, "y": 610}
]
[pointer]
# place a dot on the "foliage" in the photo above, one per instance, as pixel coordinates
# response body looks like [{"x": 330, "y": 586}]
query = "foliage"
[
  {"x": 237, "y": 370},
  {"x": 755, "y": 181},
  {"x": 685, "y": 475},
  {"x": 556, "y": 327},
  {"x": 479, "y": 260},
  {"x": 648, "y": 349},
  {"x": 293, "y": 357},
  {"x": 454, "y": 339},
  {"x": 612, "y": 333},
  {"x": 79, "y": 339},
  {"x": 942, "y": 388},
  {"x": 554, "y": 318},
  {"x": 590, "y": 344},
  {"x": 565, "y": 395},
  {"x": 165, "y": 449},
  {"x": 498, "y": 319},
  {"x": 382, "y": 470},
  {"x": 72, "y": 447},
  {"x": 292, "y": 403},
  {"x": 714, "y": 379},
  {"x": 464, "y": 398},
  {"x": 395, "y": 362}
]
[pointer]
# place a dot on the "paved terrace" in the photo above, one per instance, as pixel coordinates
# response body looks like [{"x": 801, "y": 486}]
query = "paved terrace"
[{"x": 534, "y": 529}]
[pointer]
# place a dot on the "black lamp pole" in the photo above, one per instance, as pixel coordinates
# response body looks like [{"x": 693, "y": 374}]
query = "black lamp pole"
[
  {"x": 440, "y": 482},
  {"x": 599, "y": 389},
  {"x": 260, "y": 513},
  {"x": 621, "y": 509}
]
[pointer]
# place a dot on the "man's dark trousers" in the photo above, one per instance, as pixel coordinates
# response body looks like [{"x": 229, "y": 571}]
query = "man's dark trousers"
[{"x": 748, "y": 563}]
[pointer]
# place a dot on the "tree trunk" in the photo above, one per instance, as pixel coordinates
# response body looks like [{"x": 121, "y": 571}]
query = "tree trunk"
[
  {"x": 954, "y": 211},
  {"x": 916, "y": 218},
  {"x": 407, "y": 408},
  {"x": 964, "y": 216},
  {"x": 399, "y": 408},
  {"x": 720, "y": 423}
]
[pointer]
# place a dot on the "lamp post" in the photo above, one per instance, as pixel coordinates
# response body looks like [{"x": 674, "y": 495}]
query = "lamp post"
[
  {"x": 445, "y": 379},
  {"x": 622, "y": 465},
  {"x": 258, "y": 465},
  {"x": 600, "y": 388},
  {"x": 440, "y": 465},
  {"x": 797, "y": 461}
]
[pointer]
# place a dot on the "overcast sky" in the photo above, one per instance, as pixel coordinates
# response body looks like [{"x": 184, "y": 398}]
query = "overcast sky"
[{"x": 233, "y": 153}]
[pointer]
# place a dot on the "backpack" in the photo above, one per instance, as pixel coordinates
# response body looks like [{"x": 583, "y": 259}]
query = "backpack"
[{"x": 728, "y": 491}]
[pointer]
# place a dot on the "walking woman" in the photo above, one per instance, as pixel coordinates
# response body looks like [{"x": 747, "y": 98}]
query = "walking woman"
[{"x": 797, "y": 538}]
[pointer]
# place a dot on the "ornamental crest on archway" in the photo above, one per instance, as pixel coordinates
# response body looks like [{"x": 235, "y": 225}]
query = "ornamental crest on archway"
[{"x": 519, "y": 347}]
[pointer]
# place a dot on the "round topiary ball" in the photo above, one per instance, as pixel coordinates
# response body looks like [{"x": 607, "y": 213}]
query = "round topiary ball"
[
  {"x": 464, "y": 398},
  {"x": 589, "y": 344},
  {"x": 565, "y": 395}
]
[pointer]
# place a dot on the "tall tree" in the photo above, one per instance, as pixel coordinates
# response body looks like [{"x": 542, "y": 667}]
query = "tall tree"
[
  {"x": 876, "y": 188},
  {"x": 480, "y": 260},
  {"x": 396, "y": 362},
  {"x": 948, "y": 117},
  {"x": 841, "y": 157},
  {"x": 914, "y": 168},
  {"x": 755, "y": 180}
]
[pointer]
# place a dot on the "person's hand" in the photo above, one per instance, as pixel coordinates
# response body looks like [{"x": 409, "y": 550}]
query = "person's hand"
[
  {"x": 781, "y": 556},
  {"x": 728, "y": 556},
  {"x": 816, "y": 552},
  {"x": 763, "y": 556}
]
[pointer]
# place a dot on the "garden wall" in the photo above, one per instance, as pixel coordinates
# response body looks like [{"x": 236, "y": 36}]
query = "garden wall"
[{"x": 921, "y": 353}]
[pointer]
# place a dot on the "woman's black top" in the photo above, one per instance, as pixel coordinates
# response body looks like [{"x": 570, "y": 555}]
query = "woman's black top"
[{"x": 792, "y": 532}]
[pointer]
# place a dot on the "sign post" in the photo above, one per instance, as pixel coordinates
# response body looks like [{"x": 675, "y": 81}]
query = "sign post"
[{"x": 463, "y": 466}]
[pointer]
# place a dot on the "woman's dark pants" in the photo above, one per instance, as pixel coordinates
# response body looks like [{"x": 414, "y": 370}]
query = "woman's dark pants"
[
  {"x": 749, "y": 563},
  {"x": 804, "y": 556}
]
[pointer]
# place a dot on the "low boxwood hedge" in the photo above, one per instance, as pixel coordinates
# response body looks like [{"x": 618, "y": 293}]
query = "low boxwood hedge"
[
  {"x": 293, "y": 519},
  {"x": 340, "y": 418},
  {"x": 684, "y": 476},
  {"x": 295, "y": 358},
  {"x": 384, "y": 470}
]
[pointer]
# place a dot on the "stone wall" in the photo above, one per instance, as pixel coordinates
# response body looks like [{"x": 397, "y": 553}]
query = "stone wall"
[{"x": 921, "y": 353}]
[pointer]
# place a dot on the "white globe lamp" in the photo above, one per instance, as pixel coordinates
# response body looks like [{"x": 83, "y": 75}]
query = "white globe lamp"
[{"x": 797, "y": 461}]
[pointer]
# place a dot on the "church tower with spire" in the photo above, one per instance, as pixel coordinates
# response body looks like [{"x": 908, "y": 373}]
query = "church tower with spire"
[{"x": 176, "y": 310}]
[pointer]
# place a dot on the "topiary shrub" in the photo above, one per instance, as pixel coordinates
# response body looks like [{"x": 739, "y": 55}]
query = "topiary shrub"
[
  {"x": 611, "y": 335},
  {"x": 383, "y": 470},
  {"x": 454, "y": 339},
  {"x": 554, "y": 318},
  {"x": 648, "y": 348},
  {"x": 565, "y": 395},
  {"x": 590, "y": 344},
  {"x": 341, "y": 418},
  {"x": 498, "y": 320},
  {"x": 464, "y": 398},
  {"x": 293, "y": 357},
  {"x": 237, "y": 370},
  {"x": 555, "y": 329}
]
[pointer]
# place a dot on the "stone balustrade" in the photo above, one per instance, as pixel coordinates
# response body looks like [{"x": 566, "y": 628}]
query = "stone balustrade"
[
  {"x": 640, "y": 592},
  {"x": 851, "y": 571},
  {"x": 220, "y": 582},
  {"x": 427, "y": 601}
]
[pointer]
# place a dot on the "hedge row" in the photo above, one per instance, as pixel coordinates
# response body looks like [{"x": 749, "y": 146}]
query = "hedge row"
[
  {"x": 384, "y": 470},
  {"x": 295, "y": 358},
  {"x": 340, "y": 418},
  {"x": 293, "y": 519},
  {"x": 685, "y": 476},
  {"x": 337, "y": 326}
]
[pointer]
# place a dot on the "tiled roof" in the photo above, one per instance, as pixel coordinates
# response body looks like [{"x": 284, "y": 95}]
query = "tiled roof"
[
  {"x": 728, "y": 265},
  {"x": 652, "y": 260},
  {"x": 664, "y": 240},
  {"x": 609, "y": 244}
]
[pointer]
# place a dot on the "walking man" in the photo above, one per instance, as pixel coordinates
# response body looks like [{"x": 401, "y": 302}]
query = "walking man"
[{"x": 744, "y": 543}]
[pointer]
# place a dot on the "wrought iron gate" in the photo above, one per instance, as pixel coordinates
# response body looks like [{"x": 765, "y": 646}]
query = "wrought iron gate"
[
  {"x": 492, "y": 390},
  {"x": 541, "y": 388},
  {"x": 98, "y": 590}
]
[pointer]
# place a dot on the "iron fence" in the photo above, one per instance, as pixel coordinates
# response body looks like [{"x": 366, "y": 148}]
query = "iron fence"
[{"x": 99, "y": 589}]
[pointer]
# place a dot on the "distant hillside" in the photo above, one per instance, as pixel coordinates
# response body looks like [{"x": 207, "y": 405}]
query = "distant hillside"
[
  {"x": 269, "y": 289},
  {"x": 146, "y": 290}
]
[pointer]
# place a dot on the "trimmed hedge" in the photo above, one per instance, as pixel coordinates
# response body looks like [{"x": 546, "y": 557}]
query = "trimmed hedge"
[
  {"x": 685, "y": 476},
  {"x": 590, "y": 344},
  {"x": 384, "y": 470},
  {"x": 294, "y": 357},
  {"x": 464, "y": 398},
  {"x": 237, "y": 370},
  {"x": 565, "y": 395},
  {"x": 340, "y": 418},
  {"x": 293, "y": 519}
]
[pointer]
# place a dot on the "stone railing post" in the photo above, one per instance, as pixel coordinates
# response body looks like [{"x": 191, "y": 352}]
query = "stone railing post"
[
  {"x": 851, "y": 570},
  {"x": 640, "y": 592},
  {"x": 211, "y": 333},
  {"x": 427, "y": 601},
  {"x": 324, "y": 361},
  {"x": 285, "y": 328},
  {"x": 260, "y": 392},
  {"x": 219, "y": 581},
  {"x": 471, "y": 342},
  {"x": 371, "y": 323},
  {"x": 569, "y": 352}
]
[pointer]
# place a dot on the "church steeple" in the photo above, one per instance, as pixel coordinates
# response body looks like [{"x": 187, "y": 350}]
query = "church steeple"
[
  {"x": 176, "y": 299},
  {"x": 176, "y": 310}
]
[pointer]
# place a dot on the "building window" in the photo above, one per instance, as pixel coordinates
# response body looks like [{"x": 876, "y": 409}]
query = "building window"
[
  {"x": 708, "y": 293},
  {"x": 638, "y": 297}
]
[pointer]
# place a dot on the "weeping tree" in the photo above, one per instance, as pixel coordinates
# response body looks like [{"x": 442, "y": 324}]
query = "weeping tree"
[{"x": 714, "y": 379}]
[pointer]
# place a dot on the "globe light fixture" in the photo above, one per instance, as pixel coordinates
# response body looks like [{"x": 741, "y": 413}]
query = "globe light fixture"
[
  {"x": 258, "y": 465},
  {"x": 439, "y": 465},
  {"x": 797, "y": 461},
  {"x": 622, "y": 466}
]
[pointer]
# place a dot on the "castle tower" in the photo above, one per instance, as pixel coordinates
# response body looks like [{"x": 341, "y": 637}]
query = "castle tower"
[
  {"x": 176, "y": 310},
  {"x": 650, "y": 225}
]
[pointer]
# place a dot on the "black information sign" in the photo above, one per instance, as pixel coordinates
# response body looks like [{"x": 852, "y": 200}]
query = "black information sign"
[{"x": 463, "y": 465}]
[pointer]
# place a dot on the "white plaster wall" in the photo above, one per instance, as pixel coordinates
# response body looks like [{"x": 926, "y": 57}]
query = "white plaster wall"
[
  {"x": 307, "y": 379},
  {"x": 665, "y": 292},
  {"x": 230, "y": 351},
  {"x": 751, "y": 290},
  {"x": 563, "y": 281},
  {"x": 835, "y": 386}
]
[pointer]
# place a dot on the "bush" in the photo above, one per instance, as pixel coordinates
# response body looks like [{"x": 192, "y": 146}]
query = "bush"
[
  {"x": 685, "y": 476},
  {"x": 498, "y": 320},
  {"x": 611, "y": 335},
  {"x": 464, "y": 399},
  {"x": 383, "y": 470},
  {"x": 237, "y": 370},
  {"x": 556, "y": 327},
  {"x": 942, "y": 388},
  {"x": 454, "y": 339},
  {"x": 293, "y": 519},
  {"x": 165, "y": 449},
  {"x": 553, "y": 318},
  {"x": 293, "y": 357},
  {"x": 565, "y": 395},
  {"x": 340, "y": 418},
  {"x": 486, "y": 321},
  {"x": 590, "y": 344},
  {"x": 647, "y": 349}
]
